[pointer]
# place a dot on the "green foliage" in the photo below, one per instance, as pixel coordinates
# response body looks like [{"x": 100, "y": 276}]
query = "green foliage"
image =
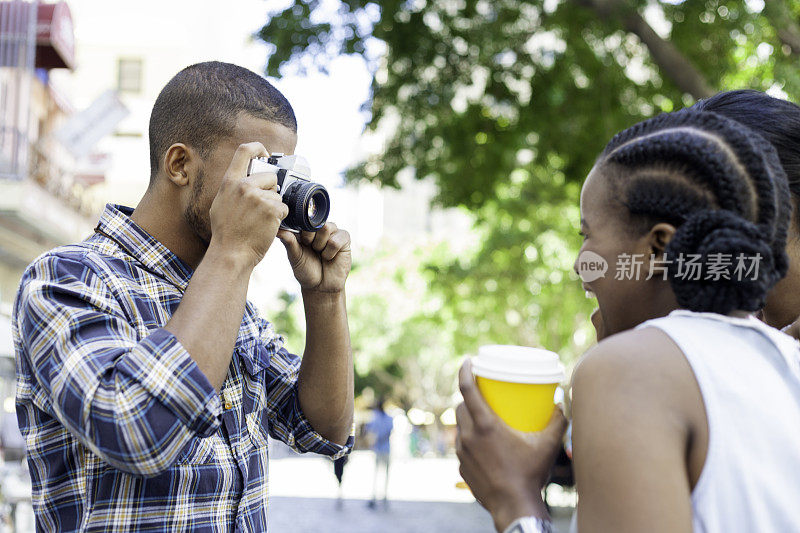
[
  {"x": 553, "y": 81},
  {"x": 505, "y": 105}
]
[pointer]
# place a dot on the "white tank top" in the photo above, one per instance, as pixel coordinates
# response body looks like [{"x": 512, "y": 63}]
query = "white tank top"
[{"x": 749, "y": 377}]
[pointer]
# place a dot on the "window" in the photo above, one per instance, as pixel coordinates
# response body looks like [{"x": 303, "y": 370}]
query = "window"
[{"x": 129, "y": 75}]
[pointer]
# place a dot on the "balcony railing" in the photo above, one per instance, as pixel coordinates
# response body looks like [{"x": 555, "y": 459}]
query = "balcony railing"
[{"x": 17, "y": 59}]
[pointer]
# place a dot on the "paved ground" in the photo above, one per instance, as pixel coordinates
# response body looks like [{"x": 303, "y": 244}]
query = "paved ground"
[
  {"x": 314, "y": 515},
  {"x": 321, "y": 515},
  {"x": 423, "y": 498}
]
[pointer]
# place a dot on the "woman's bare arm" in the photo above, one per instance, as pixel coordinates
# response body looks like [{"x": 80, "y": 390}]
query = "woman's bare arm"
[{"x": 634, "y": 402}]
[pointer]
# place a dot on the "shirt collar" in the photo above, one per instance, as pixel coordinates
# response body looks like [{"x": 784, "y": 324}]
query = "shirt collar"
[{"x": 116, "y": 224}]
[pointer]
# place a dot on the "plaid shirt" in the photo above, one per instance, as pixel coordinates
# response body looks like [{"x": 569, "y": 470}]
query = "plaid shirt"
[{"x": 123, "y": 430}]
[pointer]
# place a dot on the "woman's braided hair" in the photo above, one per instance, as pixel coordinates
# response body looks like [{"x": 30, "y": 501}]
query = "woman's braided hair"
[{"x": 722, "y": 186}]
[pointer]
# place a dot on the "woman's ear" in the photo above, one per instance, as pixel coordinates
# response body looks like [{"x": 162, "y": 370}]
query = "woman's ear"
[{"x": 659, "y": 238}]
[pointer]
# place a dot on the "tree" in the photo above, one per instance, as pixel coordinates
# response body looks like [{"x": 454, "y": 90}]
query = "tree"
[
  {"x": 506, "y": 104},
  {"x": 475, "y": 82}
]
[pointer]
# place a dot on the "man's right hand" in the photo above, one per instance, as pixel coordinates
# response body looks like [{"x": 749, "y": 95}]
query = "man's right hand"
[{"x": 247, "y": 211}]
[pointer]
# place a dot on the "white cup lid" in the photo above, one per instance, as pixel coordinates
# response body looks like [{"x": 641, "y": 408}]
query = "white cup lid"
[{"x": 518, "y": 364}]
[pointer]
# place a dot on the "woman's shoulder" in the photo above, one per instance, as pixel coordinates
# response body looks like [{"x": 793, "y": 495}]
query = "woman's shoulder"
[
  {"x": 640, "y": 366},
  {"x": 633, "y": 353}
]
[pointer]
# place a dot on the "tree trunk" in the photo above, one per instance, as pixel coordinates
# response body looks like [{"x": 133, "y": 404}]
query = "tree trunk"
[
  {"x": 780, "y": 16},
  {"x": 673, "y": 64}
]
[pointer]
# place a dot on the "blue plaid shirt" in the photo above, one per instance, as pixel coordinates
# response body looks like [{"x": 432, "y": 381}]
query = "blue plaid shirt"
[{"x": 123, "y": 430}]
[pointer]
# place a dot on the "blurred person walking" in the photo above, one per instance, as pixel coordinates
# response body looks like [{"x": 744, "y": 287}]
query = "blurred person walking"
[
  {"x": 379, "y": 430},
  {"x": 147, "y": 384}
]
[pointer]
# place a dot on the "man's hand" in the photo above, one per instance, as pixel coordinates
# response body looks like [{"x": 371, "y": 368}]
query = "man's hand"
[
  {"x": 244, "y": 218},
  {"x": 247, "y": 210},
  {"x": 320, "y": 261},
  {"x": 505, "y": 468}
]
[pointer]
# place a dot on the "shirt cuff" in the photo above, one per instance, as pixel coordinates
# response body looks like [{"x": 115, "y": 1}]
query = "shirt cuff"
[
  {"x": 308, "y": 440},
  {"x": 165, "y": 369}
]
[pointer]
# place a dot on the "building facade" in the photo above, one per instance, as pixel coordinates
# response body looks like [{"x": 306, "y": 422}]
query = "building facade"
[{"x": 42, "y": 201}]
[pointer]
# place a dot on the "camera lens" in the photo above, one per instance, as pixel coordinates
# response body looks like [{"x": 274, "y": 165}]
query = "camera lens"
[
  {"x": 312, "y": 208},
  {"x": 309, "y": 206}
]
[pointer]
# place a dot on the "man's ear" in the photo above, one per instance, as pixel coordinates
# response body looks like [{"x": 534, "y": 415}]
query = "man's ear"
[
  {"x": 658, "y": 238},
  {"x": 176, "y": 163}
]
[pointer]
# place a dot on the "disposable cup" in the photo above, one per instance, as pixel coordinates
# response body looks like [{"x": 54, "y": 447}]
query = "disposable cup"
[{"x": 519, "y": 383}]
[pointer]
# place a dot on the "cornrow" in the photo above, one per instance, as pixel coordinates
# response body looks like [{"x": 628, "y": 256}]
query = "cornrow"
[
  {"x": 776, "y": 120},
  {"x": 721, "y": 186}
]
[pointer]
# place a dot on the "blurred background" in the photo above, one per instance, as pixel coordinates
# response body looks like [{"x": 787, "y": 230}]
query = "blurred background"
[{"x": 454, "y": 135}]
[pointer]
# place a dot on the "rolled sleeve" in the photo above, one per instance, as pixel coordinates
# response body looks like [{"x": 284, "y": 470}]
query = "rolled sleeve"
[
  {"x": 287, "y": 421},
  {"x": 161, "y": 365},
  {"x": 308, "y": 440}
]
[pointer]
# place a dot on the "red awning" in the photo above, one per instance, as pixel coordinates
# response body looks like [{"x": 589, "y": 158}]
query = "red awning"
[{"x": 55, "y": 38}]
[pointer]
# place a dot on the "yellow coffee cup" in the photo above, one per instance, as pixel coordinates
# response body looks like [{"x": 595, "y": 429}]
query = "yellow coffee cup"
[{"x": 519, "y": 383}]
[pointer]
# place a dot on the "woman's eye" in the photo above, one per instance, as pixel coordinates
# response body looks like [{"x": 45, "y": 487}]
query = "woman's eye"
[{"x": 582, "y": 234}]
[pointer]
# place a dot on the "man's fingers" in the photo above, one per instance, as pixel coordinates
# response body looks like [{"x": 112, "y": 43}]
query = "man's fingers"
[
  {"x": 339, "y": 241},
  {"x": 267, "y": 181},
  {"x": 322, "y": 235},
  {"x": 293, "y": 249},
  {"x": 241, "y": 159},
  {"x": 479, "y": 410},
  {"x": 306, "y": 237}
]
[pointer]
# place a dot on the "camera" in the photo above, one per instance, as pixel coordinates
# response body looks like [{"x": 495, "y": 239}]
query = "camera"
[{"x": 309, "y": 203}]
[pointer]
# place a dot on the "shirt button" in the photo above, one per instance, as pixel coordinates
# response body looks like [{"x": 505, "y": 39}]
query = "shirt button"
[{"x": 228, "y": 405}]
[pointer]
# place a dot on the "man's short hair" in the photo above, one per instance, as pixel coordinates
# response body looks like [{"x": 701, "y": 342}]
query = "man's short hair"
[{"x": 200, "y": 105}]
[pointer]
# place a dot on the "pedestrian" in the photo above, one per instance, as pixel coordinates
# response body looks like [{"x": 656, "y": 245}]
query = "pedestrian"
[
  {"x": 379, "y": 430},
  {"x": 686, "y": 416}
]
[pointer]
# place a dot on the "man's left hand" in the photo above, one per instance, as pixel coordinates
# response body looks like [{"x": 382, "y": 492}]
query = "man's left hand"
[{"x": 320, "y": 261}]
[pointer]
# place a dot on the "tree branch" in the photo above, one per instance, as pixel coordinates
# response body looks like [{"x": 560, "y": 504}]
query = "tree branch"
[
  {"x": 666, "y": 55},
  {"x": 780, "y": 16}
]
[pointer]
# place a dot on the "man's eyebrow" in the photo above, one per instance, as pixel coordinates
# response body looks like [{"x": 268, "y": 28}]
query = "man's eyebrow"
[{"x": 583, "y": 222}]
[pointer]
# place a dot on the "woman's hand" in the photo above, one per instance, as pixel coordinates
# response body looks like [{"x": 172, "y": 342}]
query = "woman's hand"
[{"x": 505, "y": 468}]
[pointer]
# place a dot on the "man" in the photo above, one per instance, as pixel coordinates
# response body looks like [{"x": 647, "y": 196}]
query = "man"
[{"x": 147, "y": 384}]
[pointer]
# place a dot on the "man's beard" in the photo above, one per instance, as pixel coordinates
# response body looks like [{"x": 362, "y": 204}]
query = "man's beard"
[{"x": 195, "y": 218}]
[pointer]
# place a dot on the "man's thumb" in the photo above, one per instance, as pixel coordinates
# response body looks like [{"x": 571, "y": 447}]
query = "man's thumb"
[{"x": 293, "y": 249}]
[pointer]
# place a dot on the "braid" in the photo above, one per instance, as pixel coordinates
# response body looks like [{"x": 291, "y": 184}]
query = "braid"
[{"x": 721, "y": 186}]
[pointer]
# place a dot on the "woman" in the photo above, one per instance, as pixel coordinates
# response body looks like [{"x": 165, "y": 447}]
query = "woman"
[
  {"x": 778, "y": 121},
  {"x": 692, "y": 419}
]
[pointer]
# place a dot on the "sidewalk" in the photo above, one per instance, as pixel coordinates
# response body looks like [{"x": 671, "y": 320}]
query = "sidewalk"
[
  {"x": 309, "y": 515},
  {"x": 423, "y": 498}
]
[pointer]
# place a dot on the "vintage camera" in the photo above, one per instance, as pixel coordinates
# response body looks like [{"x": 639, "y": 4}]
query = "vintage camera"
[{"x": 309, "y": 203}]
